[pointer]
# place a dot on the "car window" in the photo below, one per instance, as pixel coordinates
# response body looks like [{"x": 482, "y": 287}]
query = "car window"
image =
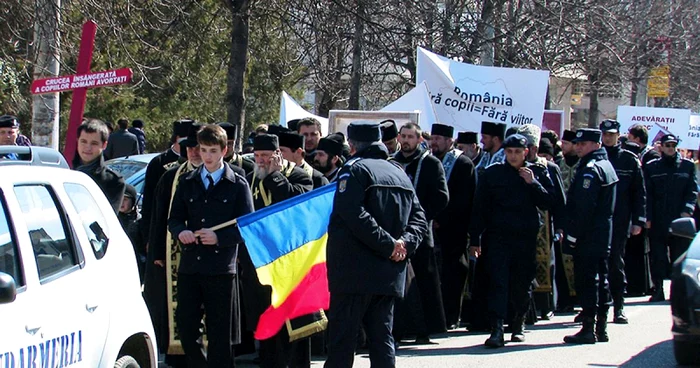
[
  {"x": 91, "y": 216},
  {"x": 126, "y": 168},
  {"x": 53, "y": 250},
  {"x": 9, "y": 255}
]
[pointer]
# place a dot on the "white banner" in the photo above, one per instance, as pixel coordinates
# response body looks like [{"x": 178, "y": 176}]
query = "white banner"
[
  {"x": 417, "y": 99},
  {"x": 674, "y": 120},
  {"x": 464, "y": 95},
  {"x": 290, "y": 110},
  {"x": 692, "y": 139}
]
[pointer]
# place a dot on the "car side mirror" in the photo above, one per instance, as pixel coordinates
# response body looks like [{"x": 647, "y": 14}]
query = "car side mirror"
[
  {"x": 8, "y": 288},
  {"x": 684, "y": 227}
]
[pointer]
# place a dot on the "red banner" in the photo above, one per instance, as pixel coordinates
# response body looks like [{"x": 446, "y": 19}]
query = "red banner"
[{"x": 90, "y": 80}]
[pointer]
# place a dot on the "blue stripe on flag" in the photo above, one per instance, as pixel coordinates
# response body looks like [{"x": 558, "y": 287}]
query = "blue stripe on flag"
[{"x": 283, "y": 227}]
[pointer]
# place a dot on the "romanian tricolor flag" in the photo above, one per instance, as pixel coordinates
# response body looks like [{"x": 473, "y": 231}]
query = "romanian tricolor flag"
[{"x": 287, "y": 244}]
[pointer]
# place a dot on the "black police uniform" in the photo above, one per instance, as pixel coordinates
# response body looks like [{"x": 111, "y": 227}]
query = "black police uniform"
[
  {"x": 671, "y": 190},
  {"x": 630, "y": 209},
  {"x": 111, "y": 183},
  {"x": 426, "y": 313},
  {"x": 590, "y": 204},
  {"x": 206, "y": 273},
  {"x": 375, "y": 205},
  {"x": 505, "y": 222}
]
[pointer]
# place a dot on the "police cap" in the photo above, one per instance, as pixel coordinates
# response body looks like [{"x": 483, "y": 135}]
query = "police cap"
[
  {"x": 610, "y": 126},
  {"x": 9, "y": 121},
  {"x": 669, "y": 138},
  {"x": 587, "y": 135},
  {"x": 364, "y": 131},
  {"x": 515, "y": 141}
]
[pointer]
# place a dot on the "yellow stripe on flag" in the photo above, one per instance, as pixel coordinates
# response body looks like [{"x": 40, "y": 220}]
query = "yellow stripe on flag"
[{"x": 286, "y": 272}]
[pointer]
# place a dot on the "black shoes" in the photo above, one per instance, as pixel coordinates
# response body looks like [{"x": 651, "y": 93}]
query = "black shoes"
[
  {"x": 601, "y": 326},
  {"x": 620, "y": 318},
  {"x": 585, "y": 336},
  {"x": 496, "y": 339},
  {"x": 518, "y": 328}
]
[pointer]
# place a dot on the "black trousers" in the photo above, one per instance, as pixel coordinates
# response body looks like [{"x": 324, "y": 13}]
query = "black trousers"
[
  {"x": 454, "y": 281},
  {"x": 592, "y": 288},
  {"x": 218, "y": 294},
  {"x": 347, "y": 313},
  {"x": 279, "y": 352},
  {"x": 512, "y": 267},
  {"x": 617, "y": 277}
]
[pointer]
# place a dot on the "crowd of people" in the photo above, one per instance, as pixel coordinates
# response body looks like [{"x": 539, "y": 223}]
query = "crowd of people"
[{"x": 430, "y": 231}]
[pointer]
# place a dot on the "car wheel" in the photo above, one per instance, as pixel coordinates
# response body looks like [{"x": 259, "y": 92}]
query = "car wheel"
[
  {"x": 687, "y": 353},
  {"x": 126, "y": 362}
]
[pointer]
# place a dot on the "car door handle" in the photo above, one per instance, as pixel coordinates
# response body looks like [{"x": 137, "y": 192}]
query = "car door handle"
[
  {"x": 91, "y": 307},
  {"x": 32, "y": 330}
]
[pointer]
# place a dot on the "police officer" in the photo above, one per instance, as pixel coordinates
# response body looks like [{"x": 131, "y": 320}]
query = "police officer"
[
  {"x": 206, "y": 284},
  {"x": 590, "y": 205},
  {"x": 92, "y": 141},
  {"x": 504, "y": 227},
  {"x": 630, "y": 211},
  {"x": 363, "y": 290},
  {"x": 671, "y": 193}
]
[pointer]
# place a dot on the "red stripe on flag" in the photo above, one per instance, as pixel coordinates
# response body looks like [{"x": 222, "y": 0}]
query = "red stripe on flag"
[{"x": 308, "y": 297}]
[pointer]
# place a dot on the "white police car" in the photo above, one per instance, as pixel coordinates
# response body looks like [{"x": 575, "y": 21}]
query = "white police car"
[{"x": 70, "y": 294}]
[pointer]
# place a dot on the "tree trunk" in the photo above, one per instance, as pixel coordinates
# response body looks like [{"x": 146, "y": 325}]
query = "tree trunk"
[
  {"x": 593, "y": 107},
  {"x": 45, "y": 108},
  {"x": 238, "y": 61},
  {"x": 355, "y": 80}
]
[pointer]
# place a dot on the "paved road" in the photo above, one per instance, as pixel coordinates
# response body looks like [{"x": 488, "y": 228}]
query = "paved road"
[{"x": 645, "y": 342}]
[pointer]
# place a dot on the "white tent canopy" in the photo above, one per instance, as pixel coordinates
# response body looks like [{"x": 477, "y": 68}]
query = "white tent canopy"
[{"x": 290, "y": 110}]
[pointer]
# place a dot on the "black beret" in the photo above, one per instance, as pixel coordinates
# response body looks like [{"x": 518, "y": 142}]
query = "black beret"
[
  {"x": 291, "y": 140},
  {"x": 515, "y": 141},
  {"x": 467, "y": 138},
  {"x": 138, "y": 123},
  {"x": 364, "y": 131},
  {"x": 588, "y": 135},
  {"x": 493, "y": 129},
  {"x": 669, "y": 138},
  {"x": 546, "y": 147},
  {"x": 230, "y": 130},
  {"x": 266, "y": 142},
  {"x": 9, "y": 121},
  {"x": 276, "y": 129},
  {"x": 330, "y": 146},
  {"x": 293, "y": 124},
  {"x": 568, "y": 135},
  {"x": 610, "y": 126},
  {"x": 442, "y": 130},
  {"x": 182, "y": 127},
  {"x": 389, "y": 130}
]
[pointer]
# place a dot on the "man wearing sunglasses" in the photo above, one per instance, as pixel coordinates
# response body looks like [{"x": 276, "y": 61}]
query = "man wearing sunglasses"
[{"x": 671, "y": 193}]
